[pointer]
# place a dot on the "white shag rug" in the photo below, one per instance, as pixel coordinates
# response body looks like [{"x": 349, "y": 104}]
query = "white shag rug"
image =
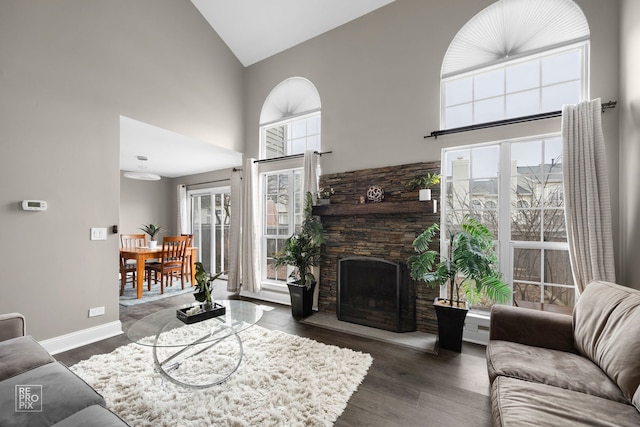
[{"x": 283, "y": 380}]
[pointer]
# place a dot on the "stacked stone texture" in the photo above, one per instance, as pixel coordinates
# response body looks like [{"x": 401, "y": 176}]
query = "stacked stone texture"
[{"x": 380, "y": 235}]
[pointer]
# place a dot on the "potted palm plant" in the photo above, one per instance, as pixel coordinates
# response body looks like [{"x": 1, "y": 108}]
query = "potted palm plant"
[
  {"x": 152, "y": 230},
  {"x": 303, "y": 251},
  {"x": 423, "y": 183},
  {"x": 471, "y": 261}
]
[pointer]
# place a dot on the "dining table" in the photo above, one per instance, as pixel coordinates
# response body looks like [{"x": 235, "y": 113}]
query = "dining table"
[{"x": 142, "y": 254}]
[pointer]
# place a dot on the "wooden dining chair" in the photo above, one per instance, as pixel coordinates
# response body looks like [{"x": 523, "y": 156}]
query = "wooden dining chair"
[
  {"x": 172, "y": 261},
  {"x": 128, "y": 266},
  {"x": 187, "y": 256}
]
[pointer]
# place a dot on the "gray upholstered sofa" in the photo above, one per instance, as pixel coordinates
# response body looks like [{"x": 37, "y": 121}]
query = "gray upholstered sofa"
[
  {"x": 551, "y": 369},
  {"x": 36, "y": 390}
]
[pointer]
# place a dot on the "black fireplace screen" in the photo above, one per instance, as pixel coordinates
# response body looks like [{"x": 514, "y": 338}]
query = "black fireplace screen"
[{"x": 377, "y": 293}]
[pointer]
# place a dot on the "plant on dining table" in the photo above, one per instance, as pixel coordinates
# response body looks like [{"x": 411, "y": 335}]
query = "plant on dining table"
[{"x": 152, "y": 230}]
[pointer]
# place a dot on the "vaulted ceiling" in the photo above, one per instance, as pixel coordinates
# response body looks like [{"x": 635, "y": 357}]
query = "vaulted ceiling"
[{"x": 253, "y": 30}]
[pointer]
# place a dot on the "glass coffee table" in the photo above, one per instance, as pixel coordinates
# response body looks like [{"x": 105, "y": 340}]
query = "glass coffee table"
[{"x": 201, "y": 354}]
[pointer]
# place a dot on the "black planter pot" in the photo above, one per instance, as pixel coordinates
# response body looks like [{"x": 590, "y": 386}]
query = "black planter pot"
[
  {"x": 450, "y": 325},
  {"x": 301, "y": 300}
]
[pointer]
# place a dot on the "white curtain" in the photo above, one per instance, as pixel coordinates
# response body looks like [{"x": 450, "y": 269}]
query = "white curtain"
[
  {"x": 235, "y": 253},
  {"x": 311, "y": 174},
  {"x": 184, "y": 225},
  {"x": 250, "y": 240},
  {"x": 586, "y": 192}
]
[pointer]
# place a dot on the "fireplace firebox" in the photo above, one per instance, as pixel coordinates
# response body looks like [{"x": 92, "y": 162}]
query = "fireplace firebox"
[{"x": 377, "y": 293}]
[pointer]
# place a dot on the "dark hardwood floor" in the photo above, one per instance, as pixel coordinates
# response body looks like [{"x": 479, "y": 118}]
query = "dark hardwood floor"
[{"x": 403, "y": 387}]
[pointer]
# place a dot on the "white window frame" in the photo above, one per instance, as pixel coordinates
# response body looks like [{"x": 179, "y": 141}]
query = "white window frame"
[
  {"x": 206, "y": 192},
  {"x": 504, "y": 248},
  {"x": 288, "y": 122},
  {"x": 583, "y": 47},
  {"x": 271, "y": 283}
]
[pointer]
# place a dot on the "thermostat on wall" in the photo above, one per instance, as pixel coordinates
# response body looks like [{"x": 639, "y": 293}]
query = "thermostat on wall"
[{"x": 34, "y": 205}]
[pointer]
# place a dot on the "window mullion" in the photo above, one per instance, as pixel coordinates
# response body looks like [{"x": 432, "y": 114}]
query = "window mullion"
[{"x": 504, "y": 214}]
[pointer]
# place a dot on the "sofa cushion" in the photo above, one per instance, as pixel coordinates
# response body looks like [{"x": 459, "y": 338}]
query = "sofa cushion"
[
  {"x": 557, "y": 368},
  {"x": 94, "y": 415},
  {"x": 522, "y": 403},
  {"x": 63, "y": 394},
  {"x": 12, "y": 325},
  {"x": 21, "y": 354},
  {"x": 607, "y": 331},
  {"x": 532, "y": 327}
]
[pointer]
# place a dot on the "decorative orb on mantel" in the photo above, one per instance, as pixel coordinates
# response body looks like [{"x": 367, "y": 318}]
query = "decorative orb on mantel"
[{"x": 375, "y": 193}]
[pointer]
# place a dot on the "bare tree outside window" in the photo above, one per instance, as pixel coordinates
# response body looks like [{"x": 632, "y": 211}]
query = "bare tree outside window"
[
  {"x": 535, "y": 247},
  {"x": 282, "y": 216}
]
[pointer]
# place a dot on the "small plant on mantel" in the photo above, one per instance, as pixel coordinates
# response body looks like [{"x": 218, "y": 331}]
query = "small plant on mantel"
[
  {"x": 423, "y": 183},
  {"x": 324, "y": 195}
]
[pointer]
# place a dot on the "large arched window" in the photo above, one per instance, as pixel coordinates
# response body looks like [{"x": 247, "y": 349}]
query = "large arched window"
[
  {"x": 289, "y": 125},
  {"x": 290, "y": 119},
  {"x": 515, "y": 58}
]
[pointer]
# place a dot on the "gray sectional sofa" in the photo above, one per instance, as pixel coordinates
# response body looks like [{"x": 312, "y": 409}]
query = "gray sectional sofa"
[
  {"x": 36, "y": 390},
  {"x": 551, "y": 369}
]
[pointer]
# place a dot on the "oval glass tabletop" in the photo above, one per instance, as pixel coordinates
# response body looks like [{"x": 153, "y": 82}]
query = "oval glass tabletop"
[{"x": 164, "y": 329}]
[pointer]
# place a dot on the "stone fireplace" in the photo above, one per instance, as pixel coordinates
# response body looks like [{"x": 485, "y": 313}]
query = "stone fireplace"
[
  {"x": 377, "y": 293},
  {"x": 382, "y": 231}
]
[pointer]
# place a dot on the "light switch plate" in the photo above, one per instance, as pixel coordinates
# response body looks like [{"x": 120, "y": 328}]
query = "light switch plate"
[
  {"x": 96, "y": 311},
  {"x": 98, "y": 233}
]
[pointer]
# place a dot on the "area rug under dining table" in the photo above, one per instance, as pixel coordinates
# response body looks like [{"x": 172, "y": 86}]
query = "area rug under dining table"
[
  {"x": 130, "y": 297},
  {"x": 283, "y": 380}
]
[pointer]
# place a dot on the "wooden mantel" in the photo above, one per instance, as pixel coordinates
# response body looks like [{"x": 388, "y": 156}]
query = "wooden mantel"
[{"x": 381, "y": 208}]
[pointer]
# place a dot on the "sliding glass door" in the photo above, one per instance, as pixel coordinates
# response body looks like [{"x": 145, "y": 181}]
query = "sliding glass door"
[{"x": 210, "y": 227}]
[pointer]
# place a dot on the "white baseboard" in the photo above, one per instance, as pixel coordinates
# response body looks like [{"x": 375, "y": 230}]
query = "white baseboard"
[
  {"x": 83, "y": 337},
  {"x": 270, "y": 293},
  {"x": 476, "y": 329}
]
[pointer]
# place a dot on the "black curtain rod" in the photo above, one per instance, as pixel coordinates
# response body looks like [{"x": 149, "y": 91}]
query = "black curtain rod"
[
  {"x": 208, "y": 182},
  {"x": 215, "y": 180},
  {"x": 524, "y": 119},
  {"x": 293, "y": 156}
]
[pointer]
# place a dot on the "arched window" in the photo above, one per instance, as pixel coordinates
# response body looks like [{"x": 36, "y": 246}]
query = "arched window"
[
  {"x": 290, "y": 119},
  {"x": 289, "y": 125},
  {"x": 515, "y": 58}
]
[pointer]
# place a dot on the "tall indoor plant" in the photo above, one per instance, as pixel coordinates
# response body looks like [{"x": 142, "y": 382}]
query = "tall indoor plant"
[
  {"x": 303, "y": 251},
  {"x": 470, "y": 260}
]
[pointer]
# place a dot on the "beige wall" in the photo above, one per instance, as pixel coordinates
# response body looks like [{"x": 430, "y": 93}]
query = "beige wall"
[
  {"x": 630, "y": 139},
  {"x": 147, "y": 202},
  {"x": 379, "y": 83},
  {"x": 69, "y": 69}
]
